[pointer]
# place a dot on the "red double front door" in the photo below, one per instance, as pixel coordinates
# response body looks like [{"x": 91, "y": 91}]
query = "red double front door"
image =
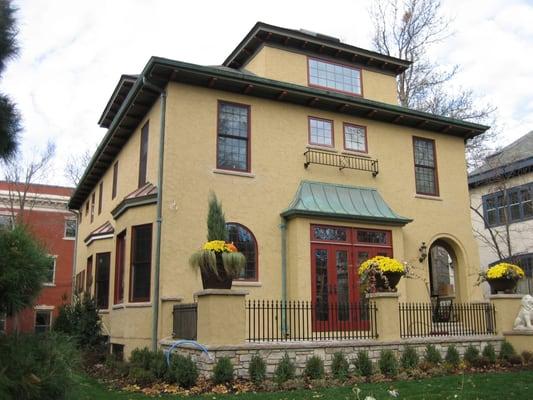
[{"x": 336, "y": 253}]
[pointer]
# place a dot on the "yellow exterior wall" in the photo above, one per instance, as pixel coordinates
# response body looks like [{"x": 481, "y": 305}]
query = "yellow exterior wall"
[
  {"x": 288, "y": 66},
  {"x": 279, "y": 137}
]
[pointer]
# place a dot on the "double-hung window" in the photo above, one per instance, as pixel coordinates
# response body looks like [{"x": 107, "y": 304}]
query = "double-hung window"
[
  {"x": 141, "y": 263},
  {"x": 115, "y": 180},
  {"x": 425, "y": 166},
  {"x": 338, "y": 77},
  {"x": 70, "y": 228},
  {"x": 43, "y": 321},
  {"x": 233, "y": 137},
  {"x": 355, "y": 138},
  {"x": 508, "y": 206},
  {"x": 120, "y": 259},
  {"x": 321, "y": 132},
  {"x": 102, "y": 280},
  {"x": 143, "y": 155},
  {"x": 51, "y": 272}
]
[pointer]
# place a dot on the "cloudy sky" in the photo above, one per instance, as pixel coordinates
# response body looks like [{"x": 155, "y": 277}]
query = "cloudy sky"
[{"x": 73, "y": 52}]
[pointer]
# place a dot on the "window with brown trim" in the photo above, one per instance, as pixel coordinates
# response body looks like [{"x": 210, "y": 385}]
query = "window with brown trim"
[
  {"x": 143, "y": 154},
  {"x": 101, "y": 287},
  {"x": 233, "y": 136},
  {"x": 89, "y": 281},
  {"x": 425, "y": 166},
  {"x": 245, "y": 242},
  {"x": 334, "y": 76},
  {"x": 355, "y": 138},
  {"x": 115, "y": 178},
  {"x": 87, "y": 208},
  {"x": 321, "y": 132},
  {"x": 93, "y": 200},
  {"x": 141, "y": 262},
  {"x": 100, "y": 197},
  {"x": 119, "y": 267}
]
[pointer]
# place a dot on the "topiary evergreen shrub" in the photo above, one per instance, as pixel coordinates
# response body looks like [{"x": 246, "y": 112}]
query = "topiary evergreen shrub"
[
  {"x": 471, "y": 356},
  {"x": 314, "y": 368},
  {"x": 285, "y": 370},
  {"x": 223, "y": 371},
  {"x": 388, "y": 365},
  {"x": 432, "y": 355},
  {"x": 409, "y": 359},
  {"x": 507, "y": 351},
  {"x": 340, "y": 367},
  {"x": 452, "y": 358},
  {"x": 182, "y": 371},
  {"x": 489, "y": 353},
  {"x": 363, "y": 364},
  {"x": 257, "y": 369}
]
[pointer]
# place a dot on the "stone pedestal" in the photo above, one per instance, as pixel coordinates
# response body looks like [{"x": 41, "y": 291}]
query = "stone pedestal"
[
  {"x": 387, "y": 315},
  {"x": 221, "y": 316},
  {"x": 506, "y": 307}
]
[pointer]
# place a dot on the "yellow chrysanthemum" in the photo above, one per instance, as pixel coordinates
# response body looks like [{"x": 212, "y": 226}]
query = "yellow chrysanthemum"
[
  {"x": 505, "y": 270},
  {"x": 385, "y": 264},
  {"x": 218, "y": 246}
]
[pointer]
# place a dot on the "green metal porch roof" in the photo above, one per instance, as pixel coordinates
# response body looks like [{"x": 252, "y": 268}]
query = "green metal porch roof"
[{"x": 318, "y": 199}]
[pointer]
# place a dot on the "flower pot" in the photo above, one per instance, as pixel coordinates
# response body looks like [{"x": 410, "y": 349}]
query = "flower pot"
[
  {"x": 387, "y": 281},
  {"x": 502, "y": 285},
  {"x": 219, "y": 280}
]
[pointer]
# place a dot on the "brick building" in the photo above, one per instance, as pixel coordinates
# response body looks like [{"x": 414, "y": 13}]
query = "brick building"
[{"x": 45, "y": 212}]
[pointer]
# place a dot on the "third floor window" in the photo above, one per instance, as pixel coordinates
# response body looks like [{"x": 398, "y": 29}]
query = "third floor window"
[
  {"x": 143, "y": 156},
  {"x": 233, "y": 137},
  {"x": 338, "y": 77}
]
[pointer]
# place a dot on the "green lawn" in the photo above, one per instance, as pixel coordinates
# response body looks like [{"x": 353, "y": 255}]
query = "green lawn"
[{"x": 508, "y": 385}]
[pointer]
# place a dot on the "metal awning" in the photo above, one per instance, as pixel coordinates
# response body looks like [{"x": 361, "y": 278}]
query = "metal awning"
[{"x": 327, "y": 200}]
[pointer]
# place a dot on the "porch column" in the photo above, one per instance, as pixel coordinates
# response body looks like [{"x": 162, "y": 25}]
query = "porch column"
[
  {"x": 221, "y": 316},
  {"x": 387, "y": 315}
]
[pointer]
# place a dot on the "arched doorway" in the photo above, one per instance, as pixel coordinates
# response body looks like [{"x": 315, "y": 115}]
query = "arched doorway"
[{"x": 442, "y": 270}]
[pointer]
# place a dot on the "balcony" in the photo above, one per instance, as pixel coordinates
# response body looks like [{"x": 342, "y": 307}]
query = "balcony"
[{"x": 340, "y": 161}]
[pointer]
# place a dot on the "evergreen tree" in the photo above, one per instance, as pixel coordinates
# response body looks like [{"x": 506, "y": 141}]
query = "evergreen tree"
[
  {"x": 216, "y": 222},
  {"x": 10, "y": 125}
]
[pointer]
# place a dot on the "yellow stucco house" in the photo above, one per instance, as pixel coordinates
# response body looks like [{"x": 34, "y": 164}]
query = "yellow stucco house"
[{"x": 316, "y": 165}]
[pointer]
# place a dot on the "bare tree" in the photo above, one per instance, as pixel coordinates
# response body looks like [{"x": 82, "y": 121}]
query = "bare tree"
[
  {"x": 20, "y": 175},
  {"x": 408, "y": 29},
  {"x": 76, "y": 165}
]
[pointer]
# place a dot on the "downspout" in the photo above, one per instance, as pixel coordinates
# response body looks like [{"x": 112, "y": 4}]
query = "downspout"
[
  {"x": 159, "y": 218},
  {"x": 283, "y": 228},
  {"x": 75, "y": 255}
]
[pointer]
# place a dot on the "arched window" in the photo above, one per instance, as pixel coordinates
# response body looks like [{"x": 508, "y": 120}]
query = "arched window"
[{"x": 245, "y": 242}]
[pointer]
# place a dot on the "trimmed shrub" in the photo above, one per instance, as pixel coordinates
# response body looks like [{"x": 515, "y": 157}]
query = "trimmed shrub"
[
  {"x": 515, "y": 360},
  {"x": 489, "y": 353},
  {"x": 507, "y": 351},
  {"x": 452, "y": 358},
  {"x": 314, "y": 368},
  {"x": 388, "y": 365},
  {"x": 141, "y": 376},
  {"x": 257, "y": 369},
  {"x": 285, "y": 370},
  {"x": 432, "y": 355},
  {"x": 37, "y": 367},
  {"x": 471, "y": 356},
  {"x": 223, "y": 371},
  {"x": 340, "y": 367},
  {"x": 141, "y": 358},
  {"x": 527, "y": 356},
  {"x": 183, "y": 371},
  {"x": 363, "y": 364},
  {"x": 409, "y": 359}
]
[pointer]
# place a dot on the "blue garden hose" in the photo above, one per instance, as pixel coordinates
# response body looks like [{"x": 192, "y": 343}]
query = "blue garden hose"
[{"x": 180, "y": 342}]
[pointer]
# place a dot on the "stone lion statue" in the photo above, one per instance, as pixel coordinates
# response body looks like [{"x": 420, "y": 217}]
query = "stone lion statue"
[{"x": 525, "y": 315}]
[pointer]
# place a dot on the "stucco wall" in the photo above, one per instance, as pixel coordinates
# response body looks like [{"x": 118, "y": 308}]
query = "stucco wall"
[{"x": 289, "y": 66}]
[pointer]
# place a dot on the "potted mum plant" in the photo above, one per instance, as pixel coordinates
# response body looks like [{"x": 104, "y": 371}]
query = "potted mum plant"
[
  {"x": 381, "y": 273},
  {"x": 502, "y": 277},
  {"x": 219, "y": 261}
]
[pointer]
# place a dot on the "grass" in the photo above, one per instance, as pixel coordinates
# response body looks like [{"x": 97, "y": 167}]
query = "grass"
[{"x": 515, "y": 385}]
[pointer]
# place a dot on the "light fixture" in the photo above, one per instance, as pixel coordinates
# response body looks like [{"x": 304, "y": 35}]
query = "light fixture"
[{"x": 423, "y": 252}]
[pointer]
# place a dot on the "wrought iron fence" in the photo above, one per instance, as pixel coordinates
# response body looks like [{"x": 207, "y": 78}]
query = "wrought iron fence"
[
  {"x": 341, "y": 161},
  {"x": 459, "y": 319},
  {"x": 275, "y": 320},
  {"x": 185, "y": 320}
]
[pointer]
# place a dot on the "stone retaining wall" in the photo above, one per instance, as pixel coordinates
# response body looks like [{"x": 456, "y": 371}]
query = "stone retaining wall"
[{"x": 300, "y": 352}]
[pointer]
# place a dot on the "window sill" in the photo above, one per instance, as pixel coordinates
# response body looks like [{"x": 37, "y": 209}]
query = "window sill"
[
  {"x": 138, "y": 305},
  {"x": 426, "y": 197},
  {"x": 118, "y": 306},
  {"x": 322, "y": 148},
  {"x": 106, "y": 311},
  {"x": 49, "y": 284},
  {"x": 356, "y": 153},
  {"x": 172, "y": 298},
  {"x": 234, "y": 173},
  {"x": 247, "y": 283},
  {"x": 69, "y": 238}
]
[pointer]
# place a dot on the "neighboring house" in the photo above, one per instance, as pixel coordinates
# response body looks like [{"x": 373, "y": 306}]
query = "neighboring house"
[
  {"x": 46, "y": 214},
  {"x": 501, "y": 193},
  {"x": 317, "y": 167}
]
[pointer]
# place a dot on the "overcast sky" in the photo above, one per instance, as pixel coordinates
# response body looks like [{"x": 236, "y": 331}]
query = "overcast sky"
[{"x": 73, "y": 52}]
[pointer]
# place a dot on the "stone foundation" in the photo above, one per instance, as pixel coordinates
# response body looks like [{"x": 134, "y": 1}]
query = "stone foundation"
[{"x": 300, "y": 352}]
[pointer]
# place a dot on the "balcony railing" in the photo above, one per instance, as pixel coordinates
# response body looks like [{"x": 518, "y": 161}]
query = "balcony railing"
[
  {"x": 341, "y": 161},
  {"x": 462, "y": 319},
  {"x": 274, "y": 320}
]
